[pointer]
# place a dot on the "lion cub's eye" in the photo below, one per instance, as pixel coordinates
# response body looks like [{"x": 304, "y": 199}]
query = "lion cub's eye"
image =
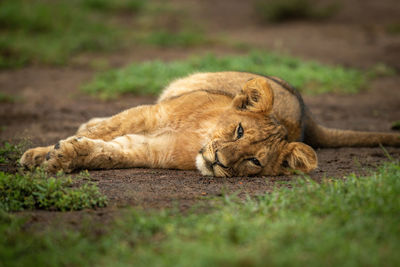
[
  {"x": 239, "y": 131},
  {"x": 255, "y": 161}
]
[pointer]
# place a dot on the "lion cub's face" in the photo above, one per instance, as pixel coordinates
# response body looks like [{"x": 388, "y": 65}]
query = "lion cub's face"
[{"x": 249, "y": 141}]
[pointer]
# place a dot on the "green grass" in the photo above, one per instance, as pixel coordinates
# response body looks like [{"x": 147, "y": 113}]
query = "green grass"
[
  {"x": 120, "y": 6},
  {"x": 20, "y": 190},
  {"x": 182, "y": 38},
  {"x": 38, "y": 190},
  {"x": 169, "y": 25},
  {"x": 6, "y": 98},
  {"x": 286, "y": 10},
  {"x": 396, "y": 125},
  {"x": 151, "y": 76},
  {"x": 349, "y": 222},
  {"x": 393, "y": 28},
  {"x": 10, "y": 153},
  {"x": 51, "y": 32}
]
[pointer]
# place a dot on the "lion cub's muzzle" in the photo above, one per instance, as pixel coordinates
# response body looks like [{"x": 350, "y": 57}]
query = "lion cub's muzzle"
[
  {"x": 209, "y": 164},
  {"x": 217, "y": 162}
]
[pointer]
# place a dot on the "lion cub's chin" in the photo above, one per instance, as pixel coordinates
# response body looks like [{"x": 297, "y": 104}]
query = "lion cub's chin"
[{"x": 202, "y": 166}]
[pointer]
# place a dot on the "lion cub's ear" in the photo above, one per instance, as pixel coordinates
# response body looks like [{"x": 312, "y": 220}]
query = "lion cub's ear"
[
  {"x": 299, "y": 156},
  {"x": 256, "y": 96}
]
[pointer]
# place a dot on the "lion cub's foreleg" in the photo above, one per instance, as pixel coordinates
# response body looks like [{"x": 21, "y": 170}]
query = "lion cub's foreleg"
[
  {"x": 34, "y": 157},
  {"x": 135, "y": 120},
  {"x": 85, "y": 153}
]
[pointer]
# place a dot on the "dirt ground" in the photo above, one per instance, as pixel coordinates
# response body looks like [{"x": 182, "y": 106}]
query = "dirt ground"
[{"x": 51, "y": 107}]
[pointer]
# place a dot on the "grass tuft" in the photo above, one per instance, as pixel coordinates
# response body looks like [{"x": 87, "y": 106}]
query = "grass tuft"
[
  {"x": 130, "y": 6},
  {"x": 396, "y": 125},
  {"x": 38, "y": 190},
  {"x": 393, "y": 28},
  {"x": 184, "y": 38},
  {"x": 6, "y": 98},
  {"x": 151, "y": 76},
  {"x": 10, "y": 153}
]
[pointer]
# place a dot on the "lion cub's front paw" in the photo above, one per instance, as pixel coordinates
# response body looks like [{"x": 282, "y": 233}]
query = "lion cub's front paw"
[
  {"x": 34, "y": 157},
  {"x": 68, "y": 155}
]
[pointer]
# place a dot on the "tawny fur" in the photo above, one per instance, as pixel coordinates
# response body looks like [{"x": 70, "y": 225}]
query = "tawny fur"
[{"x": 224, "y": 124}]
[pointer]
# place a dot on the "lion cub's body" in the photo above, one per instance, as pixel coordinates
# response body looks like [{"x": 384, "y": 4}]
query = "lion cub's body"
[
  {"x": 225, "y": 124},
  {"x": 288, "y": 105}
]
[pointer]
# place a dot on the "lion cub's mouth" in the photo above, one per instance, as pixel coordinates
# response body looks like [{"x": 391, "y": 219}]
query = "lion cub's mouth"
[{"x": 209, "y": 165}]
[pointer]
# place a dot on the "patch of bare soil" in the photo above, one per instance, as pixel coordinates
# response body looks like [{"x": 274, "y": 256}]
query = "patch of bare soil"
[{"x": 52, "y": 107}]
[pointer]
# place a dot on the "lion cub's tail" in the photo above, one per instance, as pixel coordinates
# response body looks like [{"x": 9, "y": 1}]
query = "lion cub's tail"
[{"x": 319, "y": 136}]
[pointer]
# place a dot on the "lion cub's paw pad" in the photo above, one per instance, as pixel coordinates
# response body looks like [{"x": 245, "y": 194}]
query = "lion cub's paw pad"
[
  {"x": 33, "y": 157},
  {"x": 67, "y": 154}
]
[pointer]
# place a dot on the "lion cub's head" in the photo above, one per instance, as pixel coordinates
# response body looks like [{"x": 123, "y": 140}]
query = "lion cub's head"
[{"x": 250, "y": 141}]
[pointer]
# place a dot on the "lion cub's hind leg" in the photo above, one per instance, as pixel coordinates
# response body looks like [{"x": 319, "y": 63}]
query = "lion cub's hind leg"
[{"x": 91, "y": 123}]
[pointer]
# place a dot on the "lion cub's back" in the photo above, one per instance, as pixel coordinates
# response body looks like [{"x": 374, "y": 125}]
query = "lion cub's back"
[{"x": 228, "y": 82}]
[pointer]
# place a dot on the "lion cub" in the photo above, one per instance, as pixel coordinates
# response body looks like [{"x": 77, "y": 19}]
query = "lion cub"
[{"x": 224, "y": 124}]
